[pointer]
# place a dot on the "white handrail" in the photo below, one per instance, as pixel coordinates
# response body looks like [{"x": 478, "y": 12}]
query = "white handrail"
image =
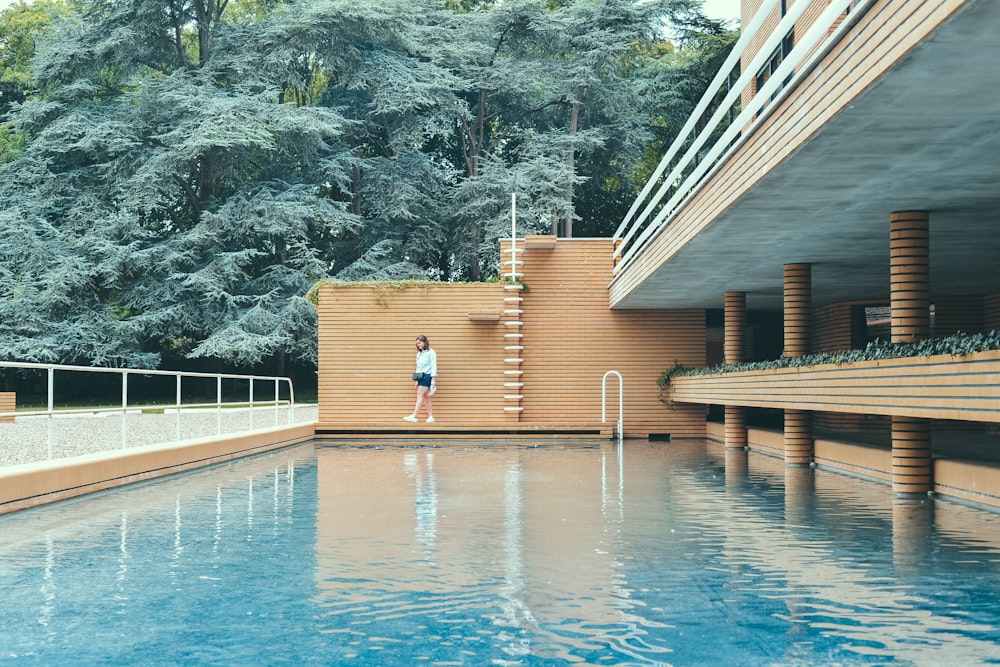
[
  {"x": 125, "y": 372},
  {"x": 621, "y": 399},
  {"x": 746, "y": 34},
  {"x": 821, "y": 35}
]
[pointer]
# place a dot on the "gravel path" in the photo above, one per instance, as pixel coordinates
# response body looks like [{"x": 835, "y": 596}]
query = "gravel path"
[{"x": 33, "y": 439}]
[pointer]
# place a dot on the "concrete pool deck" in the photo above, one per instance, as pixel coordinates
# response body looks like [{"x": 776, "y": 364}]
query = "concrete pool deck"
[{"x": 83, "y": 463}]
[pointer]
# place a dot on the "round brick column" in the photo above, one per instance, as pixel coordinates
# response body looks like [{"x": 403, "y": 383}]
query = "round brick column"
[
  {"x": 911, "y": 456},
  {"x": 736, "y": 324},
  {"x": 909, "y": 276},
  {"x": 735, "y": 337},
  {"x": 798, "y": 308},
  {"x": 736, "y": 427},
  {"x": 798, "y": 437},
  {"x": 798, "y": 320},
  {"x": 910, "y": 300}
]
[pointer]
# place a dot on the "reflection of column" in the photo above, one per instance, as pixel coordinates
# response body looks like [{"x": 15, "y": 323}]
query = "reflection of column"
[
  {"x": 736, "y": 469},
  {"x": 735, "y": 327},
  {"x": 912, "y": 520},
  {"x": 800, "y": 493},
  {"x": 909, "y": 287},
  {"x": 798, "y": 314}
]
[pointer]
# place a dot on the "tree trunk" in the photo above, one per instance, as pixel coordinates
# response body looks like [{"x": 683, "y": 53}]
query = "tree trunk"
[{"x": 473, "y": 143}]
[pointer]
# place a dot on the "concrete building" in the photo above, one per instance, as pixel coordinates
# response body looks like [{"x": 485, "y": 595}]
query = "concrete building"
[{"x": 854, "y": 180}]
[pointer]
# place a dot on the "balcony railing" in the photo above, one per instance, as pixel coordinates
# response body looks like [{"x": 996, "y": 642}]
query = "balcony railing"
[{"x": 699, "y": 150}]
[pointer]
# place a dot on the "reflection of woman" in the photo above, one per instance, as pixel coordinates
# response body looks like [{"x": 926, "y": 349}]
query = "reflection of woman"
[{"x": 426, "y": 385}]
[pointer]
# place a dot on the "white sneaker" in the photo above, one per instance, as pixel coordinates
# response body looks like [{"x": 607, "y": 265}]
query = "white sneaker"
[
  {"x": 430, "y": 420},
  {"x": 410, "y": 418}
]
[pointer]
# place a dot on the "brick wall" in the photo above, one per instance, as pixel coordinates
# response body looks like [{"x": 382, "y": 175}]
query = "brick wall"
[{"x": 571, "y": 339}]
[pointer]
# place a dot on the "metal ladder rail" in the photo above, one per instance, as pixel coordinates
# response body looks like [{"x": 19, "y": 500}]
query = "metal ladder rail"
[
  {"x": 621, "y": 400},
  {"x": 512, "y": 321}
]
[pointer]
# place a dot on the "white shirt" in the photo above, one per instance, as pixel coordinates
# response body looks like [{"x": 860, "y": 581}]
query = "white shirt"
[{"x": 427, "y": 362}]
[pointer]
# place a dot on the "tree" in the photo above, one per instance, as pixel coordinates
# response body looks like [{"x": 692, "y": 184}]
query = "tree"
[
  {"x": 197, "y": 197},
  {"x": 596, "y": 49},
  {"x": 191, "y": 167},
  {"x": 676, "y": 76},
  {"x": 20, "y": 26}
]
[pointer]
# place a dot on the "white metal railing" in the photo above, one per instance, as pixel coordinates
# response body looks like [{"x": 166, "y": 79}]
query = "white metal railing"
[
  {"x": 251, "y": 401},
  {"x": 637, "y": 228}
]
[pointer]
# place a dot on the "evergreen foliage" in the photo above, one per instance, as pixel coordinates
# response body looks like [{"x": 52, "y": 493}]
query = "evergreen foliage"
[{"x": 178, "y": 173}]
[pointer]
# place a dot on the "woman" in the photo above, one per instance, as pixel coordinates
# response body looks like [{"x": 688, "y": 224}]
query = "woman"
[{"x": 424, "y": 379}]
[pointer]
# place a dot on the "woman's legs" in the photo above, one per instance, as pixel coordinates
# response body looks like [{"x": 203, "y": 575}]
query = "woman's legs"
[
  {"x": 428, "y": 404},
  {"x": 423, "y": 398}
]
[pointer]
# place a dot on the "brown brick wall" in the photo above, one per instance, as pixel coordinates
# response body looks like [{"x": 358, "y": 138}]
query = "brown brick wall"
[
  {"x": 571, "y": 338},
  {"x": 832, "y": 328},
  {"x": 944, "y": 386},
  {"x": 366, "y": 351}
]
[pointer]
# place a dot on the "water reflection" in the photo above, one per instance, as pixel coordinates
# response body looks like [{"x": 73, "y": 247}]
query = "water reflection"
[
  {"x": 501, "y": 542},
  {"x": 912, "y": 541},
  {"x": 554, "y": 553},
  {"x": 799, "y": 496},
  {"x": 736, "y": 469},
  {"x": 570, "y": 553}
]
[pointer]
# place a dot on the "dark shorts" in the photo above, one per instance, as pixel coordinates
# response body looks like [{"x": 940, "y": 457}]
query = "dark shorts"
[{"x": 426, "y": 382}]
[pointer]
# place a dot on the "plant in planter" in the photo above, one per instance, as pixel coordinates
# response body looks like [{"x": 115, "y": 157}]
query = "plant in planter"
[{"x": 956, "y": 345}]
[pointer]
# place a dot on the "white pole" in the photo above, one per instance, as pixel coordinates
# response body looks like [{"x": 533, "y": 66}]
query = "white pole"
[{"x": 513, "y": 235}]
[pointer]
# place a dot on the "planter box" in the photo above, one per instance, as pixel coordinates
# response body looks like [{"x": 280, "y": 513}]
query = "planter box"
[{"x": 939, "y": 387}]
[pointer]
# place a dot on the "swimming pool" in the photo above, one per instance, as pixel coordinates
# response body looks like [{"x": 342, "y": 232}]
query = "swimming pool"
[{"x": 505, "y": 554}]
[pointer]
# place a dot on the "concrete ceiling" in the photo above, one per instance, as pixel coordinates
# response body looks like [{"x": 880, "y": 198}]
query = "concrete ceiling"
[{"x": 924, "y": 137}]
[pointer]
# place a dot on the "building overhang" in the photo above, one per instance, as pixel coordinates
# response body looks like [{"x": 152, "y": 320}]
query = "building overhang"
[{"x": 922, "y": 135}]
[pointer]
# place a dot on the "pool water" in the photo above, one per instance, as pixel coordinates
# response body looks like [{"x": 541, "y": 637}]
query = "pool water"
[{"x": 543, "y": 553}]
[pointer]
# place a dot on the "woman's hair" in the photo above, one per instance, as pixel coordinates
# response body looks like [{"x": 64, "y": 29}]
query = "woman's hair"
[{"x": 427, "y": 343}]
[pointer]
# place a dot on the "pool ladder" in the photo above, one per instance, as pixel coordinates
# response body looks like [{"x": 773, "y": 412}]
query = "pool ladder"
[
  {"x": 621, "y": 400},
  {"x": 513, "y": 337}
]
